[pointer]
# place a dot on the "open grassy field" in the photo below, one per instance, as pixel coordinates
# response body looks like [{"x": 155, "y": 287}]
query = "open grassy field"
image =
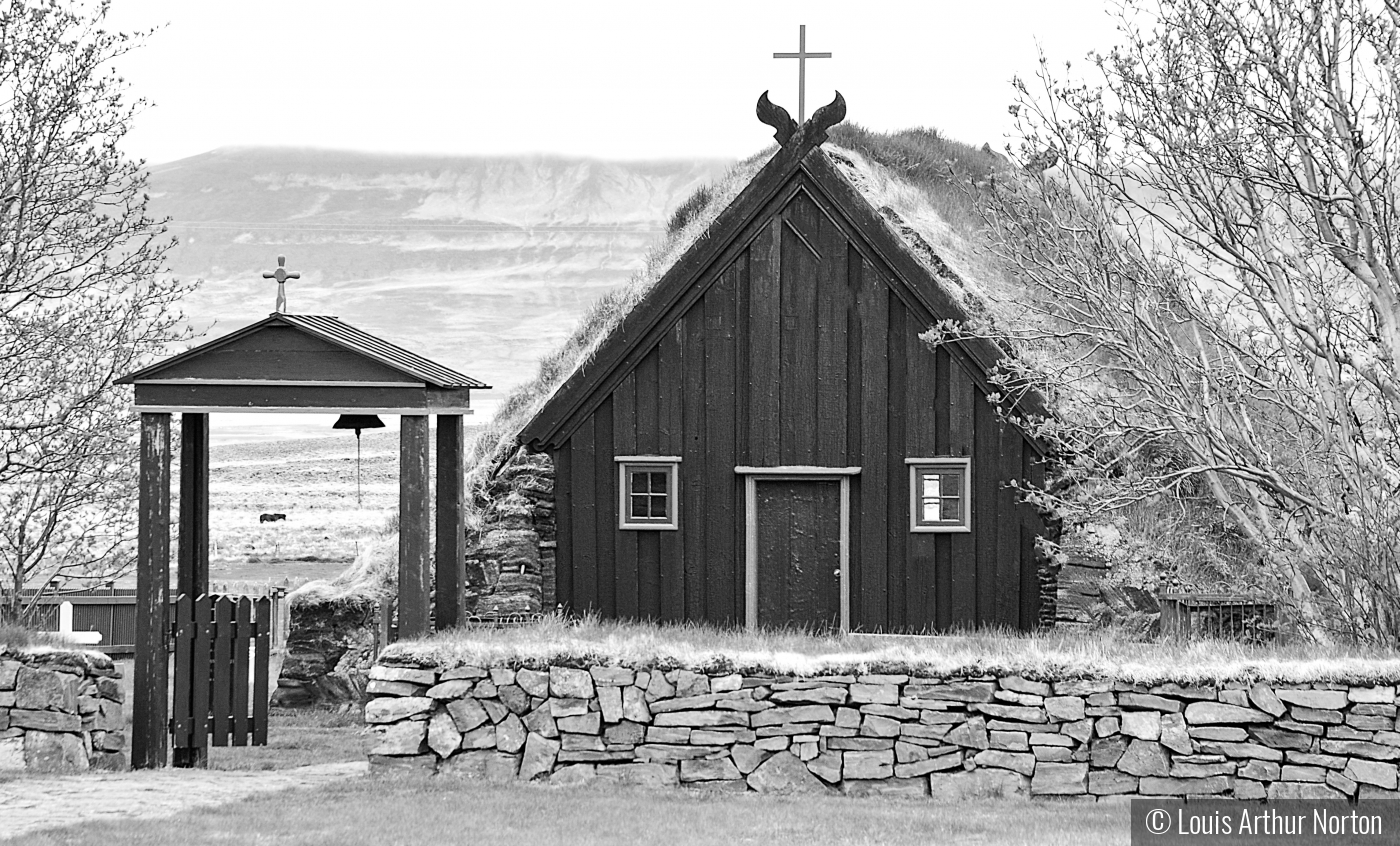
[
  {"x": 312, "y": 481},
  {"x": 411, "y": 810}
]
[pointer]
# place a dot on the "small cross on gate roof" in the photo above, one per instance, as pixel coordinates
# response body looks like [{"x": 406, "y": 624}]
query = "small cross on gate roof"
[
  {"x": 802, "y": 56},
  {"x": 281, "y": 274}
]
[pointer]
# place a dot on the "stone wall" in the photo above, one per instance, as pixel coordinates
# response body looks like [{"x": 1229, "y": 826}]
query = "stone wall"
[
  {"x": 889, "y": 733},
  {"x": 60, "y": 712},
  {"x": 330, "y": 648},
  {"x": 510, "y": 560}
]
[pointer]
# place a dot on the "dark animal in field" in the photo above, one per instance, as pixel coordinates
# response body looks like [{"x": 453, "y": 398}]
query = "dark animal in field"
[{"x": 271, "y": 518}]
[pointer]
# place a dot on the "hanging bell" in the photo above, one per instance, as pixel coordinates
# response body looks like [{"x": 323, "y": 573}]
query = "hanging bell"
[{"x": 358, "y": 422}]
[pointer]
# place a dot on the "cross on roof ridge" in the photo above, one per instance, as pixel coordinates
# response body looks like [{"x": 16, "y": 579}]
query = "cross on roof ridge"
[
  {"x": 281, "y": 274},
  {"x": 801, "y": 56}
]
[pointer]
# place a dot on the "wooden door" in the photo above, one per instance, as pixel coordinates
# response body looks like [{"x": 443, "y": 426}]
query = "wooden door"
[{"x": 798, "y": 534}]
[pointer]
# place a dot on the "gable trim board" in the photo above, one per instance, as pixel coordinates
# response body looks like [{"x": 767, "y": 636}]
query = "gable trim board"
[{"x": 698, "y": 269}]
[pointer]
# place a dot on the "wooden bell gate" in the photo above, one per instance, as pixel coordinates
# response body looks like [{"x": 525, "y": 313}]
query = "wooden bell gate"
[
  {"x": 222, "y": 647},
  {"x": 288, "y": 363}
]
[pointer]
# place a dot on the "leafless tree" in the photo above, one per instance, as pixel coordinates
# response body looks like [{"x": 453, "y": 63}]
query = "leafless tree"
[
  {"x": 1212, "y": 284},
  {"x": 84, "y": 295}
]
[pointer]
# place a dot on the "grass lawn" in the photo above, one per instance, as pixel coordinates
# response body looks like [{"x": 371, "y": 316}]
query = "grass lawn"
[
  {"x": 295, "y": 738},
  {"x": 419, "y": 810}
]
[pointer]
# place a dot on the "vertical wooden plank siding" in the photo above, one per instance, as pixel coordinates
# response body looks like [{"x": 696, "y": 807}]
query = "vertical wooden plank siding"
[
  {"x": 605, "y": 496},
  {"x": 150, "y": 710},
  {"x": 986, "y": 502},
  {"x": 415, "y": 526},
  {"x": 963, "y": 398},
  {"x": 670, "y": 369},
  {"x": 797, "y": 349},
  {"x": 193, "y": 570},
  {"x": 670, "y": 364},
  {"x": 892, "y": 471},
  {"x": 450, "y": 509},
  {"x": 566, "y": 564},
  {"x": 585, "y": 552},
  {"x": 1032, "y": 526},
  {"x": 693, "y": 479},
  {"x": 743, "y": 367},
  {"x": 855, "y": 418},
  {"x": 942, "y": 543},
  {"x": 873, "y": 314},
  {"x": 624, "y": 415},
  {"x": 764, "y": 370},
  {"x": 832, "y": 299},
  {"x": 635, "y": 560},
  {"x": 1008, "y": 526},
  {"x": 649, "y": 563},
  {"x": 718, "y": 516},
  {"x": 924, "y": 570},
  {"x": 648, "y": 419}
]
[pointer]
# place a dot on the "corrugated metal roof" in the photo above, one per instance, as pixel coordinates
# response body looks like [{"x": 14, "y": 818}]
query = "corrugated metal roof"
[{"x": 343, "y": 334}]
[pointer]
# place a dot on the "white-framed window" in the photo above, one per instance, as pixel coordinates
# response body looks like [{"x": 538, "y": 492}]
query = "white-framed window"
[
  {"x": 940, "y": 494},
  {"x": 648, "y": 493}
]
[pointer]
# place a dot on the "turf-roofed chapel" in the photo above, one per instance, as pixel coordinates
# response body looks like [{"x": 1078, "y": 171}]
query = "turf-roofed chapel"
[{"x": 753, "y": 432}]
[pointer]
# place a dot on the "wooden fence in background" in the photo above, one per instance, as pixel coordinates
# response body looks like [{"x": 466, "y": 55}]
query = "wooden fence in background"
[{"x": 112, "y": 612}]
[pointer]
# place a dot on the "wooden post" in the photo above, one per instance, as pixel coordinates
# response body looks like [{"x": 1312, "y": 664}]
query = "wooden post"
[
  {"x": 192, "y": 572},
  {"x": 451, "y": 549},
  {"x": 415, "y": 525},
  {"x": 150, "y": 710}
]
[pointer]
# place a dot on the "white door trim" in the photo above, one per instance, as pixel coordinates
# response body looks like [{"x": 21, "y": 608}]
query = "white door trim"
[{"x": 752, "y": 475}]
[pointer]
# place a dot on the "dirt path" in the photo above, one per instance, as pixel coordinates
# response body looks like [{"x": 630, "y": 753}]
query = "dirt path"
[{"x": 30, "y": 804}]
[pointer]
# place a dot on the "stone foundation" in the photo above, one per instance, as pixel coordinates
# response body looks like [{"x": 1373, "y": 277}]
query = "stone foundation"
[
  {"x": 886, "y": 733},
  {"x": 61, "y": 712}
]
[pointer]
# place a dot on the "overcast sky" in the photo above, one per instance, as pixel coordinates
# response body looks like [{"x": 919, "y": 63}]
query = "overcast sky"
[{"x": 622, "y": 80}]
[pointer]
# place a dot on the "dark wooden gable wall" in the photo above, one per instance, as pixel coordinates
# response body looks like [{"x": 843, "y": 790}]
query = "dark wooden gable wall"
[
  {"x": 800, "y": 349},
  {"x": 281, "y": 352}
]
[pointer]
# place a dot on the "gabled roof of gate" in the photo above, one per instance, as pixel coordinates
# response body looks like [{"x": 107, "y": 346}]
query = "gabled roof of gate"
[{"x": 376, "y": 358}]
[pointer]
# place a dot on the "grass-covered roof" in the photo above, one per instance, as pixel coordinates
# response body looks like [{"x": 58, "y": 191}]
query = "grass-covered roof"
[{"x": 919, "y": 182}]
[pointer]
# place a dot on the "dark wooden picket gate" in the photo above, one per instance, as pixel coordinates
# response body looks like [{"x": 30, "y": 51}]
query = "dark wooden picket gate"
[{"x": 222, "y": 647}]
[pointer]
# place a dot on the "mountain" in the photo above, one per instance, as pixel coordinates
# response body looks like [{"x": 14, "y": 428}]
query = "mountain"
[{"x": 481, "y": 263}]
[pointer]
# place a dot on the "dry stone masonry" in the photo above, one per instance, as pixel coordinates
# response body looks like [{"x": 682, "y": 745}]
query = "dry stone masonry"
[
  {"x": 510, "y": 564},
  {"x": 887, "y": 734},
  {"x": 60, "y": 712}
]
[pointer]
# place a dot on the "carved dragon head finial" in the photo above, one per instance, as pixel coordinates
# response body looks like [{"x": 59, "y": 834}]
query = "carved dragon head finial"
[
  {"x": 811, "y": 133},
  {"x": 828, "y": 116},
  {"x": 777, "y": 117}
]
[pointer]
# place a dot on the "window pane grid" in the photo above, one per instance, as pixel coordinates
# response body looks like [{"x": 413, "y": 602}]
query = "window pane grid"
[
  {"x": 647, "y": 495},
  {"x": 938, "y": 496}
]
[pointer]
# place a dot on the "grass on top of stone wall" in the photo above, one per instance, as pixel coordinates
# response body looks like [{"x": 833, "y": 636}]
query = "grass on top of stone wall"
[
  {"x": 1046, "y": 656},
  {"x": 18, "y": 643},
  {"x": 14, "y": 638}
]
